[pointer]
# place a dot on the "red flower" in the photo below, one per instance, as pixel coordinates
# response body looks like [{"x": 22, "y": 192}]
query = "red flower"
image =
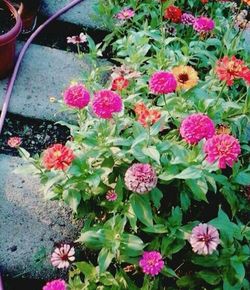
[
  {"x": 229, "y": 69},
  {"x": 58, "y": 157},
  {"x": 119, "y": 84},
  {"x": 146, "y": 117},
  {"x": 173, "y": 13}
]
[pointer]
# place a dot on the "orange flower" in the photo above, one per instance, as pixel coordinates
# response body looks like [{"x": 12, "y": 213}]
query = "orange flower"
[
  {"x": 186, "y": 77},
  {"x": 229, "y": 69},
  {"x": 247, "y": 2},
  {"x": 58, "y": 157},
  {"x": 145, "y": 116},
  {"x": 222, "y": 129}
]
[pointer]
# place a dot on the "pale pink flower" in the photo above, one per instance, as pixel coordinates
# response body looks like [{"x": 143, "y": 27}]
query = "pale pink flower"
[
  {"x": 151, "y": 263},
  {"x": 62, "y": 256},
  {"x": 203, "y": 24},
  {"x": 204, "y": 239},
  {"x": 140, "y": 178},
  {"x": 223, "y": 148},
  {"x": 14, "y": 142},
  {"x": 106, "y": 103},
  {"x": 162, "y": 82},
  {"x": 58, "y": 284},
  {"x": 77, "y": 39},
  {"x": 76, "y": 96},
  {"x": 187, "y": 19},
  {"x": 196, "y": 127},
  {"x": 125, "y": 13},
  {"x": 111, "y": 195}
]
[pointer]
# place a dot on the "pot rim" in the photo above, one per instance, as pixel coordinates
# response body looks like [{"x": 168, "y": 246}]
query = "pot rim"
[{"x": 15, "y": 30}]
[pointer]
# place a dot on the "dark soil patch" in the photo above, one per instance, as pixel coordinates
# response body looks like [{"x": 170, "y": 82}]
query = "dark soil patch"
[
  {"x": 36, "y": 134},
  {"x": 7, "y": 20},
  {"x": 24, "y": 284}
]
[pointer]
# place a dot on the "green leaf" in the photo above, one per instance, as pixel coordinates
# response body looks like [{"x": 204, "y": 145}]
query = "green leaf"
[
  {"x": 153, "y": 153},
  {"x": 72, "y": 198},
  {"x": 175, "y": 219},
  {"x": 242, "y": 178},
  {"x": 169, "y": 272},
  {"x": 131, "y": 245},
  {"x": 210, "y": 277},
  {"x": 190, "y": 173},
  {"x": 199, "y": 188},
  {"x": 142, "y": 208},
  {"x": 156, "y": 195},
  {"x": 87, "y": 269},
  {"x": 185, "y": 200},
  {"x": 104, "y": 259},
  {"x": 238, "y": 267}
]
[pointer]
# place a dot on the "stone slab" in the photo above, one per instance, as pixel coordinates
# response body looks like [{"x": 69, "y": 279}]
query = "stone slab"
[
  {"x": 82, "y": 14},
  {"x": 45, "y": 72},
  {"x": 28, "y": 223}
]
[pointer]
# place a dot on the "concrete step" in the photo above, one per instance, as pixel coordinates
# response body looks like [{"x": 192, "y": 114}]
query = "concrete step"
[
  {"x": 45, "y": 72},
  {"x": 82, "y": 14},
  {"x": 28, "y": 223}
]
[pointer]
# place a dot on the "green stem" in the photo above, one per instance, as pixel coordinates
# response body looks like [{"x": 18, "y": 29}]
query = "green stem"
[{"x": 219, "y": 95}]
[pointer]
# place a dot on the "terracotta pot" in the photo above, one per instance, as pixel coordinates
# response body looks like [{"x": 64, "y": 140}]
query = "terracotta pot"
[{"x": 8, "y": 43}]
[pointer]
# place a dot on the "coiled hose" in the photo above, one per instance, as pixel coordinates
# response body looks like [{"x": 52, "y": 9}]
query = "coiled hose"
[{"x": 20, "y": 57}]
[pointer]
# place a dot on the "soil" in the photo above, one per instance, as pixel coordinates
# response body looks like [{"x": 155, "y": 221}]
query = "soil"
[
  {"x": 7, "y": 20},
  {"x": 25, "y": 284},
  {"x": 36, "y": 134}
]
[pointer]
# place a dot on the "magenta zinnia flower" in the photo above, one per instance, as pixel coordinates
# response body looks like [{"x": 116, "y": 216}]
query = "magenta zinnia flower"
[
  {"x": 111, "y": 195},
  {"x": 105, "y": 103},
  {"x": 224, "y": 148},
  {"x": 203, "y": 24},
  {"x": 151, "y": 263},
  {"x": 76, "y": 96},
  {"x": 196, "y": 127},
  {"x": 187, "y": 19},
  {"x": 58, "y": 284},
  {"x": 62, "y": 256},
  {"x": 204, "y": 239},
  {"x": 125, "y": 13},
  {"x": 140, "y": 178},
  {"x": 162, "y": 82}
]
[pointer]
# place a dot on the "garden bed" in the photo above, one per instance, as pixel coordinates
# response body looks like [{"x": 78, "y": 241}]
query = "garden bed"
[{"x": 156, "y": 162}]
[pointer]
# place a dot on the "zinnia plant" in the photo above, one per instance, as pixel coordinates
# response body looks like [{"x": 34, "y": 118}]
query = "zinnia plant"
[{"x": 157, "y": 166}]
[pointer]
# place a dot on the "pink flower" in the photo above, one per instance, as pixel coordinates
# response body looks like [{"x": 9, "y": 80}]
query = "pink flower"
[
  {"x": 76, "y": 96},
  {"x": 55, "y": 285},
  {"x": 196, "y": 127},
  {"x": 151, "y": 263},
  {"x": 77, "y": 39},
  {"x": 105, "y": 103},
  {"x": 125, "y": 13},
  {"x": 162, "y": 82},
  {"x": 14, "y": 142},
  {"x": 140, "y": 178},
  {"x": 111, "y": 195},
  {"x": 62, "y": 256},
  {"x": 204, "y": 239},
  {"x": 187, "y": 19},
  {"x": 224, "y": 148},
  {"x": 203, "y": 24}
]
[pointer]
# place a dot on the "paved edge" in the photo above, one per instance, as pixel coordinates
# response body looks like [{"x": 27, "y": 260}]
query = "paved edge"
[
  {"x": 82, "y": 14},
  {"x": 29, "y": 223},
  {"x": 44, "y": 73}
]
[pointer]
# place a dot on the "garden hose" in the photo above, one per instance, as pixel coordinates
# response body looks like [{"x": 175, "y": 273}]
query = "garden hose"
[{"x": 21, "y": 55}]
